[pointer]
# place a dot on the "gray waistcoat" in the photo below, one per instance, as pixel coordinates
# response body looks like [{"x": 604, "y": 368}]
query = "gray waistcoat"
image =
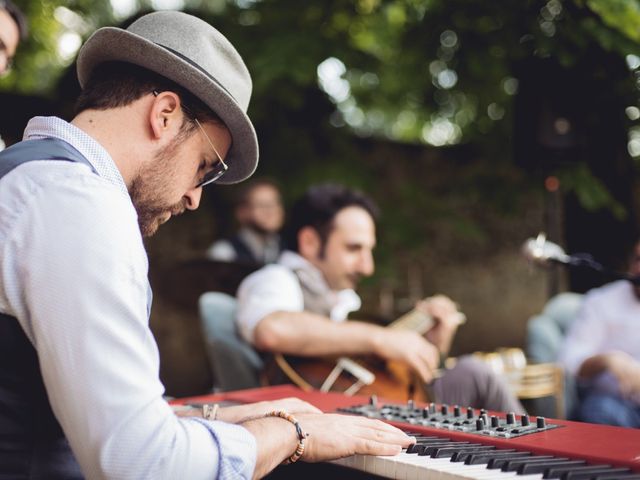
[{"x": 32, "y": 444}]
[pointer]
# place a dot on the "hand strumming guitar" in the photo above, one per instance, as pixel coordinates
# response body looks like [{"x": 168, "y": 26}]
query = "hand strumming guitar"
[
  {"x": 410, "y": 348},
  {"x": 447, "y": 320}
]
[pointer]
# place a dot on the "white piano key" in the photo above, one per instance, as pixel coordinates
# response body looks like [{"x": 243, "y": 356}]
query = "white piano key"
[
  {"x": 390, "y": 467},
  {"x": 407, "y": 466},
  {"x": 358, "y": 462},
  {"x": 379, "y": 464}
]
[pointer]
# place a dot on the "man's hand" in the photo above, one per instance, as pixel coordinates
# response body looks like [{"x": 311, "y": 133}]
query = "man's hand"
[
  {"x": 626, "y": 369},
  {"x": 445, "y": 312},
  {"x": 330, "y": 436},
  {"x": 334, "y": 436},
  {"x": 408, "y": 347},
  {"x": 241, "y": 413}
]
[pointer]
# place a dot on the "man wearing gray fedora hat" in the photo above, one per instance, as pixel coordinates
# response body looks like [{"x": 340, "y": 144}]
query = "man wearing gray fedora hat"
[{"x": 162, "y": 113}]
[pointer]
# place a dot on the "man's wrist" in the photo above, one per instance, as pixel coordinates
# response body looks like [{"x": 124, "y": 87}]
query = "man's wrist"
[{"x": 376, "y": 341}]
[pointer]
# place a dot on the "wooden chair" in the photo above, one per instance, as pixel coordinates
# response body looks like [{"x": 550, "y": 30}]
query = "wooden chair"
[{"x": 528, "y": 380}]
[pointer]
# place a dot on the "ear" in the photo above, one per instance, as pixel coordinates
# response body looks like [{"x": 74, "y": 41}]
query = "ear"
[
  {"x": 309, "y": 243},
  {"x": 165, "y": 114}
]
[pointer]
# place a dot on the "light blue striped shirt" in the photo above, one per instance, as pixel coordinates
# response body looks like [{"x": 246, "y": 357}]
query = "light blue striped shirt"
[{"x": 73, "y": 271}]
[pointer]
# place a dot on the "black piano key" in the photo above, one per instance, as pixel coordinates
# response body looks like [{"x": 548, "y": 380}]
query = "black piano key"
[
  {"x": 445, "y": 452},
  {"x": 412, "y": 448},
  {"x": 530, "y": 468},
  {"x": 462, "y": 456},
  {"x": 558, "y": 472},
  {"x": 513, "y": 465},
  {"x": 418, "y": 436},
  {"x": 426, "y": 440},
  {"x": 420, "y": 448},
  {"x": 421, "y": 442},
  {"x": 429, "y": 449},
  {"x": 592, "y": 474},
  {"x": 484, "y": 457},
  {"x": 497, "y": 463},
  {"x": 618, "y": 476}
]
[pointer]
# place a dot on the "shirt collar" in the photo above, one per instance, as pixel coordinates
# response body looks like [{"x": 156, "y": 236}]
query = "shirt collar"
[
  {"x": 54, "y": 127},
  {"x": 344, "y": 301}
]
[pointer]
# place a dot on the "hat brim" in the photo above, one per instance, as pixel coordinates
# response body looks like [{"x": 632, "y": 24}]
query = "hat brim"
[{"x": 114, "y": 44}]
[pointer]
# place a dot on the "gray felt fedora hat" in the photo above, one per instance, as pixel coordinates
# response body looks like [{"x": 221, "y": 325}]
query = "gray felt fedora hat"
[{"x": 196, "y": 56}]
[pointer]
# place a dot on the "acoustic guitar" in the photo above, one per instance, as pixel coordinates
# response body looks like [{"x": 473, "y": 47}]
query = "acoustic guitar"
[{"x": 369, "y": 376}]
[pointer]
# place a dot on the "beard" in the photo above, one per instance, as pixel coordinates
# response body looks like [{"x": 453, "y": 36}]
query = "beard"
[{"x": 147, "y": 189}]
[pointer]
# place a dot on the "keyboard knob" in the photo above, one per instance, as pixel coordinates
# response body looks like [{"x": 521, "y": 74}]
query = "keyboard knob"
[
  {"x": 470, "y": 413},
  {"x": 425, "y": 412},
  {"x": 483, "y": 411},
  {"x": 456, "y": 411},
  {"x": 511, "y": 418},
  {"x": 541, "y": 422},
  {"x": 479, "y": 424},
  {"x": 411, "y": 405},
  {"x": 494, "y": 421},
  {"x": 524, "y": 420},
  {"x": 444, "y": 409},
  {"x": 373, "y": 401},
  {"x": 432, "y": 408}
]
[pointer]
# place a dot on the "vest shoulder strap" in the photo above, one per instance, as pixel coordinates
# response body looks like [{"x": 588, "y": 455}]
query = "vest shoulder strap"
[{"x": 40, "y": 149}]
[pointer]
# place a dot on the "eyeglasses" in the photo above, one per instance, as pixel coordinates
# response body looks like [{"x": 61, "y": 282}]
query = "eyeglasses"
[{"x": 219, "y": 167}]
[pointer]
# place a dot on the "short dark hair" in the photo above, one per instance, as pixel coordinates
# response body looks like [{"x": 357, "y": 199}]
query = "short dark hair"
[
  {"x": 18, "y": 17},
  {"x": 318, "y": 208},
  {"x": 118, "y": 84}
]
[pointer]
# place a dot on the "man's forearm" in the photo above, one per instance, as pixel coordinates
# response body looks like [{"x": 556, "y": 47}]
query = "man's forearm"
[
  {"x": 308, "y": 334},
  {"x": 616, "y": 362}
]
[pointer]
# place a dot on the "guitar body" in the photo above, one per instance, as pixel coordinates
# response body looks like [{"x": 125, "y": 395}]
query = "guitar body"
[{"x": 392, "y": 379}]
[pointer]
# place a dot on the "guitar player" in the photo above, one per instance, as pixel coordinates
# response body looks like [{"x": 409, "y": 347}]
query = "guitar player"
[{"x": 299, "y": 305}]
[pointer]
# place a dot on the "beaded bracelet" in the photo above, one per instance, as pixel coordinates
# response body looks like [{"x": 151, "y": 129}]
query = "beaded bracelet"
[
  {"x": 210, "y": 412},
  {"x": 301, "y": 435}
]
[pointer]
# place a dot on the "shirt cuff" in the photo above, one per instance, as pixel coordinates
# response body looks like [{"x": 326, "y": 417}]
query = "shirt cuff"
[{"x": 237, "y": 449}]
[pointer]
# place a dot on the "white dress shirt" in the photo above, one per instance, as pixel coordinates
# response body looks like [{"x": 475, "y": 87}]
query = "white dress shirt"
[
  {"x": 608, "y": 320},
  {"x": 275, "y": 288},
  {"x": 73, "y": 271}
]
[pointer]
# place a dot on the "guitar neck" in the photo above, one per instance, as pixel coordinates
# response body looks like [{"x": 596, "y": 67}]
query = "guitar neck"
[{"x": 415, "y": 320}]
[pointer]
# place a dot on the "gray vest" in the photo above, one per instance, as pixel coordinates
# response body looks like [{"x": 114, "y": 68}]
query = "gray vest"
[{"x": 32, "y": 443}]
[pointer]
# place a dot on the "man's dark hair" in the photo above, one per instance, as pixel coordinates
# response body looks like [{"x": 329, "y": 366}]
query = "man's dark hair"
[
  {"x": 118, "y": 84},
  {"x": 18, "y": 17},
  {"x": 318, "y": 208}
]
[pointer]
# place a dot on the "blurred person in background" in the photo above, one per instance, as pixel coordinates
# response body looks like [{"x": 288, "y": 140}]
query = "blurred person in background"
[
  {"x": 260, "y": 216},
  {"x": 13, "y": 29},
  {"x": 602, "y": 349}
]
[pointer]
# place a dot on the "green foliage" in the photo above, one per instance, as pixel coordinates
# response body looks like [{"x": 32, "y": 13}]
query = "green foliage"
[
  {"x": 415, "y": 72},
  {"x": 591, "y": 192},
  {"x": 622, "y": 16}
]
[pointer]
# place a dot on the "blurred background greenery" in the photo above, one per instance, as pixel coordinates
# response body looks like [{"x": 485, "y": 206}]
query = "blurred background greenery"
[{"x": 473, "y": 124}]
